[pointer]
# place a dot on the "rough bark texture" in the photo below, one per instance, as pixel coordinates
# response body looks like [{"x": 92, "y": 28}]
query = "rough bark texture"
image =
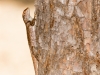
[{"x": 67, "y": 37}]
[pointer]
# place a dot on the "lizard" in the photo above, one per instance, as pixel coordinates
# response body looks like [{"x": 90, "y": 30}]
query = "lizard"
[{"x": 29, "y": 23}]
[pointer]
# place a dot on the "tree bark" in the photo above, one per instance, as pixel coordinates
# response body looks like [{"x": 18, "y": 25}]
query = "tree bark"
[{"x": 67, "y": 37}]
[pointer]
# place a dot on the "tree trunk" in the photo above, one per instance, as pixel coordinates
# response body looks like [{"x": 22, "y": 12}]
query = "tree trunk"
[{"x": 67, "y": 37}]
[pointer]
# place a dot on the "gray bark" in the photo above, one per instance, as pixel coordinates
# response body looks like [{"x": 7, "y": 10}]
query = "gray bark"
[{"x": 67, "y": 37}]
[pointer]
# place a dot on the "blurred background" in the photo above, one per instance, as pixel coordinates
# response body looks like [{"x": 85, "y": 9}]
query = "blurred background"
[{"x": 15, "y": 58}]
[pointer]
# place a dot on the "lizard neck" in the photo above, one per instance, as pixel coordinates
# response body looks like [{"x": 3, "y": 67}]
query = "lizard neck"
[{"x": 30, "y": 35}]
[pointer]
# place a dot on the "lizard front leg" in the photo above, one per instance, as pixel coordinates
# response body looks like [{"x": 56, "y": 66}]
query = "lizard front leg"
[{"x": 29, "y": 22}]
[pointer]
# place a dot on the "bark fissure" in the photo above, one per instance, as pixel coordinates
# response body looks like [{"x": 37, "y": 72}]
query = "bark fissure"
[{"x": 67, "y": 37}]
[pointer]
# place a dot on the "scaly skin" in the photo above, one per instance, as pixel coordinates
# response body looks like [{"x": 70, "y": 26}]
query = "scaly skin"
[{"x": 29, "y": 22}]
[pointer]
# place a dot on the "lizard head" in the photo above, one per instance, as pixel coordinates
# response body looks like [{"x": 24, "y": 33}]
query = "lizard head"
[{"x": 26, "y": 15}]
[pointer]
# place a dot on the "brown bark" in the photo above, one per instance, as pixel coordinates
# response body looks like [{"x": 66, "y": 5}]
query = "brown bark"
[{"x": 67, "y": 37}]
